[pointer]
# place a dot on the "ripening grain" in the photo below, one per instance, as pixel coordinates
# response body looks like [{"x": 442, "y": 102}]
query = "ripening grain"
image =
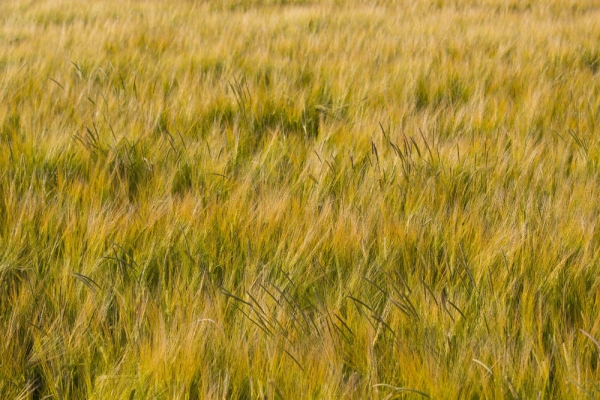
[{"x": 299, "y": 199}]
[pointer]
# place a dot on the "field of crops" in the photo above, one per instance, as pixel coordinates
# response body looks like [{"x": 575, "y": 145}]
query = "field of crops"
[{"x": 299, "y": 199}]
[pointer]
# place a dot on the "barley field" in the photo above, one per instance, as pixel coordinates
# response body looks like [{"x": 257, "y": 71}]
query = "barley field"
[{"x": 319, "y": 199}]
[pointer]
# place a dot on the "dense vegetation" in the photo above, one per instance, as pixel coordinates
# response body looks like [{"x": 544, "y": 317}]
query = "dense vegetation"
[{"x": 299, "y": 199}]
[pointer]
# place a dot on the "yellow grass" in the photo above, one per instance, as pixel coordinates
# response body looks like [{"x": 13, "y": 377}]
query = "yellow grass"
[{"x": 299, "y": 199}]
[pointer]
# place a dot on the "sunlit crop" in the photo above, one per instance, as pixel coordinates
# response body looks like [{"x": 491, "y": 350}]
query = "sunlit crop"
[{"x": 299, "y": 199}]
